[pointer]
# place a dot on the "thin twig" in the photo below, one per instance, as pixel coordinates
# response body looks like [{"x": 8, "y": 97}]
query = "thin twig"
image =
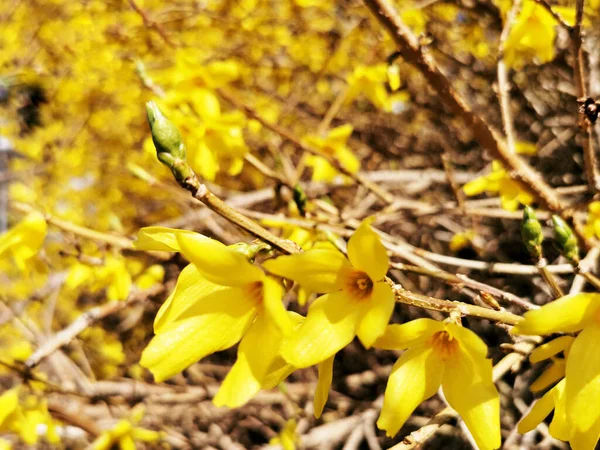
[{"x": 152, "y": 24}]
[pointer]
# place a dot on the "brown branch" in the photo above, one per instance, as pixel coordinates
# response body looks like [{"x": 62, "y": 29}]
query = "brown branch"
[
  {"x": 150, "y": 23},
  {"x": 287, "y": 135},
  {"x": 488, "y": 138},
  {"x": 84, "y": 321}
]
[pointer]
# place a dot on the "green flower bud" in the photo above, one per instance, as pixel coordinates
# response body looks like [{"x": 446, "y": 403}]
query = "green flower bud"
[
  {"x": 250, "y": 250},
  {"x": 170, "y": 149},
  {"x": 531, "y": 233},
  {"x": 565, "y": 240}
]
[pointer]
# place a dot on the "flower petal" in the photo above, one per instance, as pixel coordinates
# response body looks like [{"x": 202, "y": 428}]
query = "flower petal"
[
  {"x": 218, "y": 263},
  {"x": 274, "y": 307},
  {"x": 190, "y": 289},
  {"x": 323, "y": 385},
  {"x": 582, "y": 388},
  {"x": 319, "y": 270},
  {"x": 540, "y": 410},
  {"x": 215, "y": 324},
  {"x": 400, "y": 337},
  {"x": 160, "y": 239},
  {"x": 560, "y": 427},
  {"x": 479, "y": 403},
  {"x": 367, "y": 253},
  {"x": 415, "y": 377},
  {"x": 257, "y": 352},
  {"x": 376, "y": 314},
  {"x": 550, "y": 376},
  {"x": 549, "y": 349},
  {"x": 329, "y": 326},
  {"x": 567, "y": 314},
  {"x": 470, "y": 341}
]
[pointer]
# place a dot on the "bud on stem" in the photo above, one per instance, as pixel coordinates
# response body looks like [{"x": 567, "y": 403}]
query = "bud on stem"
[
  {"x": 531, "y": 233},
  {"x": 565, "y": 240},
  {"x": 170, "y": 149}
]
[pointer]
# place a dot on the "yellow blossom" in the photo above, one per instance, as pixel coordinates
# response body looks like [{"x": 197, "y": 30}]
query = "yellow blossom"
[
  {"x": 126, "y": 433},
  {"x": 24, "y": 240},
  {"x": 592, "y": 226},
  {"x": 332, "y": 144},
  {"x": 357, "y": 302},
  {"x": 219, "y": 300},
  {"x": 370, "y": 82},
  {"x": 288, "y": 438},
  {"x": 512, "y": 194},
  {"x": 443, "y": 354},
  {"x": 570, "y": 314}
]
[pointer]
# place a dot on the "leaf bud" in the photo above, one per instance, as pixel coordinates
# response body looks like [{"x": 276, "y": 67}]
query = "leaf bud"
[
  {"x": 531, "y": 233},
  {"x": 565, "y": 240}
]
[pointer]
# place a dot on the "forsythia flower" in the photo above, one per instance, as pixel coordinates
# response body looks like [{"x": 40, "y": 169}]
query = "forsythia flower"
[
  {"x": 580, "y": 422},
  {"x": 511, "y": 192},
  {"x": 592, "y": 226},
  {"x": 125, "y": 433},
  {"x": 443, "y": 354},
  {"x": 22, "y": 413},
  {"x": 332, "y": 144},
  {"x": 357, "y": 302},
  {"x": 533, "y": 34},
  {"x": 288, "y": 437},
  {"x": 220, "y": 299},
  {"x": 370, "y": 81},
  {"x": 24, "y": 240}
]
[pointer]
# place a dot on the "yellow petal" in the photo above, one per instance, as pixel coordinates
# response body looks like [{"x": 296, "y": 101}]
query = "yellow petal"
[
  {"x": 585, "y": 439},
  {"x": 323, "y": 385},
  {"x": 9, "y": 401},
  {"x": 479, "y": 406},
  {"x": 257, "y": 352},
  {"x": 549, "y": 349},
  {"x": 190, "y": 289},
  {"x": 415, "y": 332},
  {"x": 367, "y": 253},
  {"x": 209, "y": 326},
  {"x": 582, "y": 388},
  {"x": 469, "y": 341},
  {"x": 318, "y": 270},
  {"x": 340, "y": 135},
  {"x": 160, "y": 239},
  {"x": 217, "y": 263},
  {"x": 273, "y": 303},
  {"x": 329, "y": 326},
  {"x": 415, "y": 377},
  {"x": 540, "y": 410},
  {"x": 560, "y": 426},
  {"x": 376, "y": 314},
  {"x": 567, "y": 314},
  {"x": 550, "y": 376}
]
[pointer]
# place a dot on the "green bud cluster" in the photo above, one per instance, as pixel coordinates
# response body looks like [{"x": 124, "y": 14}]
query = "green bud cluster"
[{"x": 531, "y": 233}]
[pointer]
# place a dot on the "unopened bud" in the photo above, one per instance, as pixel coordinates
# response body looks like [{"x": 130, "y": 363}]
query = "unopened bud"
[
  {"x": 531, "y": 233},
  {"x": 565, "y": 240},
  {"x": 250, "y": 250},
  {"x": 170, "y": 149}
]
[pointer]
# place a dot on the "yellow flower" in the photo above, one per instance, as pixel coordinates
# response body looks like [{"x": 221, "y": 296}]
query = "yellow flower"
[
  {"x": 370, "y": 82},
  {"x": 288, "y": 437},
  {"x": 125, "y": 433},
  {"x": 554, "y": 398},
  {"x": 592, "y": 226},
  {"x": 571, "y": 314},
  {"x": 443, "y": 354},
  {"x": 24, "y": 240},
  {"x": 219, "y": 300},
  {"x": 332, "y": 144},
  {"x": 533, "y": 33},
  {"x": 512, "y": 194},
  {"x": 357, "y": 302}
]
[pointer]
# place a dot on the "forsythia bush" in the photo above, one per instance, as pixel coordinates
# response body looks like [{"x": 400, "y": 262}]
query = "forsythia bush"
[{"x": 295, "y": 112}]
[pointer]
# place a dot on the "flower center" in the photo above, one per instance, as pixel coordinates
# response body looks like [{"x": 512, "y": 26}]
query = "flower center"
[
  {"x": 359, "y": 285},
  {"x": 255, "y": 292},
  {"x": 445, "y": 344}
]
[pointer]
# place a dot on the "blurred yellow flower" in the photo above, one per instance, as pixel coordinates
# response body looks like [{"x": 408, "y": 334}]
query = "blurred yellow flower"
[
  {"x": 126, "y": 433},
  {"x": 24, "y": 240},
  {"x": 369, "y": 81},
  {"x": 332, "y": 144}
]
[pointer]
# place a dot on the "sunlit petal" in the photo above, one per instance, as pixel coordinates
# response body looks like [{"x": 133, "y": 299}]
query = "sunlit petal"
[
  {"x": 550, "y": 376},
  {"x": 469, "y": 340},
  {"x": 567, "y": 314},
  {"x": 469, "y": 389},
  {"x": 415, "y": 377},
  {"x": 367, "y": 253},
  {"x": 540, "y": 410},
  {"x": 273, "y": 304},
  {"x": 329, "y": 326},
  {"x": 323, "y": 385},
  {"x": 400, "y": 337},
  {"x": 560, "y": 427},
  {"x": 160, "y": 239},
  {"x": 549, "y": 349},
  {"x": 218, "y": 263},
  {"x": 376, "y": 314},
  {"x": 582, "y": 388},
  {"x": 210, "y": 326},
  {"x": 319, "y": 270}
]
